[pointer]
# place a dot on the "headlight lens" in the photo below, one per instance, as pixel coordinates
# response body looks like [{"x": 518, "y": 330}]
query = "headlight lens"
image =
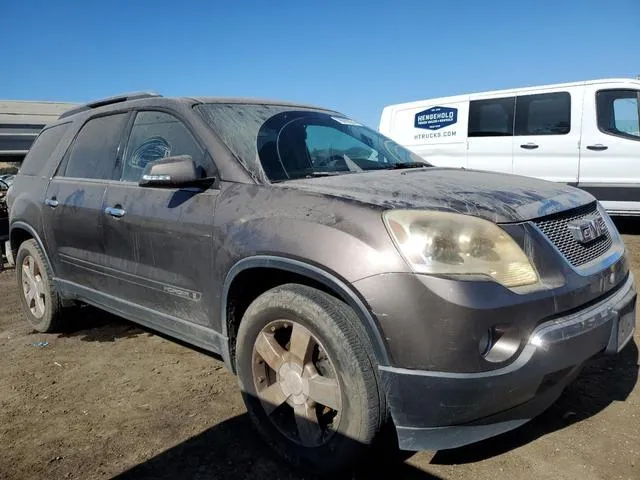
[{"x": 453, "y": 244}]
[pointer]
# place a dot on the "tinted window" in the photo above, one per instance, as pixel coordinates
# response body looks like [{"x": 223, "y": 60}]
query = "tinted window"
[
  {"x": 543, "y": 114},
  {"x": 93, "y": 153},
  {"x": 619, "y": 112},
  {"x": 42, "y": 149},
  {"x": 156, "y": 135},
  {"x": 491, "y": 118}
]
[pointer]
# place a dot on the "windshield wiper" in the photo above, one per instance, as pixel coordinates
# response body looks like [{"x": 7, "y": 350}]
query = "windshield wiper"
[
  {"x": 328, "y": 173},
  {"x": 400, "y": 165}
]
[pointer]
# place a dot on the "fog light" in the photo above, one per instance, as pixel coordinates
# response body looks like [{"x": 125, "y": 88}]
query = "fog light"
[{"x": 500, "y": 343}]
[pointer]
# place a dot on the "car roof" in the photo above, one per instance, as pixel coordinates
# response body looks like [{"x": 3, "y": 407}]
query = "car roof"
[
  {"x": 154, "y": 99},
  {"x": 250, "y": 101}
]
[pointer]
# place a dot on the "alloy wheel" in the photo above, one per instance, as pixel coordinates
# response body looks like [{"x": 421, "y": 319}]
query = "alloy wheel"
[
  {"x": 296, "y": 383},
  {"x": 33, "y": 286}
]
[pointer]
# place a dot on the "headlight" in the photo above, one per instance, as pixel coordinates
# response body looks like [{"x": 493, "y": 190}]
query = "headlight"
[{"x": 453, "y": 244}]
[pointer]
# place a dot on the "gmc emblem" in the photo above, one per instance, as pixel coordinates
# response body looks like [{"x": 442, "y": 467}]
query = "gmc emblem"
[{"x": 587, "y": 229}]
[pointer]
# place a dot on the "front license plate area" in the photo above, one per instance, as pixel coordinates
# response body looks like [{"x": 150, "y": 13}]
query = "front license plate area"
[{"x": 626, "y": 327}]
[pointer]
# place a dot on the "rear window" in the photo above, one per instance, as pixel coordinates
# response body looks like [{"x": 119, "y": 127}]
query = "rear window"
[{"x": 42, "y": 149}]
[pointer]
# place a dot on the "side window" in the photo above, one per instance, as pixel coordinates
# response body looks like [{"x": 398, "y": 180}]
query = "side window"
[
  {"x": 93, "y": 153},
  {"x": 543, "y": 114},
  {"x": 492, "y": 117},
  {"x": 619, "y": 112},
  {"x": 42, "y": 149},
  {"x": 156, "y": 135}
]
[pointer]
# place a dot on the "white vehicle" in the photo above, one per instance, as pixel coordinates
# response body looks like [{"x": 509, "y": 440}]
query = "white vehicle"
[{"x": 586, "y": 134}]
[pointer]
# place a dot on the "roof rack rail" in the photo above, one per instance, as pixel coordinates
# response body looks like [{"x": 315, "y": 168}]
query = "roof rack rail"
[{"x": 108, "y": 101}]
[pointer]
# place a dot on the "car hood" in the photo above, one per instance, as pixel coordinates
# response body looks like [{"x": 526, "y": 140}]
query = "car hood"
[{"x": 493, "y": 196}]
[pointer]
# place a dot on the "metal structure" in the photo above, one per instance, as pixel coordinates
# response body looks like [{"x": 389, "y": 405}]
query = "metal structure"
[{"x": 20, "y": 123}]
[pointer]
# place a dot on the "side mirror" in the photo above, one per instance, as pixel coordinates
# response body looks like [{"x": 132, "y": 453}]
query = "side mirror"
[{"x": 177, "y": 171}]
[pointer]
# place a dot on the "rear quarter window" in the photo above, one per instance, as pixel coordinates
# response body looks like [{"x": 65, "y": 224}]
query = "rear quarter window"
[{"x": 42, "y": 149}]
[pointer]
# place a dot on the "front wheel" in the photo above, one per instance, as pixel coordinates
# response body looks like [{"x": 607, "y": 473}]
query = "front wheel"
[{"x": 307, "y": 378}]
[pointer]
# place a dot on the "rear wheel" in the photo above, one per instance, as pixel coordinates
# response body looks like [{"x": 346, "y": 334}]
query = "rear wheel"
[
  {"x": 40, "y": 302},
  {"x": 307, "y": 377}
]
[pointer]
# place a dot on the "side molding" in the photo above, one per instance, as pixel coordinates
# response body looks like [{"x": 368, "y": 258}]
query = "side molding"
[{"x": 317, "y": 274}]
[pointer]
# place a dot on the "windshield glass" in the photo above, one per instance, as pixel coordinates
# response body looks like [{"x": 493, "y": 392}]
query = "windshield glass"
[{"x": 294, "y": 142}]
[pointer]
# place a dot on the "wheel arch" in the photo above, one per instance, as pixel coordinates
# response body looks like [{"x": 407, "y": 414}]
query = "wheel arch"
[
  {"x": 316, "y": 275},
  {"x": 20, "y": 232}
]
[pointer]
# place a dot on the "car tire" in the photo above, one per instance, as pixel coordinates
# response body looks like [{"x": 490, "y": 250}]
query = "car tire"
[
  {"x": 278, "y": 329},
  {"x": 40, "y": 302}
]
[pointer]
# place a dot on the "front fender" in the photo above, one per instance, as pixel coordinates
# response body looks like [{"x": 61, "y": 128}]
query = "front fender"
[{"x": 346, "y": 292}]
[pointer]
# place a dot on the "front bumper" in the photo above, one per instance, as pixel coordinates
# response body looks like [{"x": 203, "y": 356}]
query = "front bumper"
[{"x": 437, "y": 410}]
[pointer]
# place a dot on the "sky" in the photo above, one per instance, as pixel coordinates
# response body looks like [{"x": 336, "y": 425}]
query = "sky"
[{"x": 354, "y": 56}]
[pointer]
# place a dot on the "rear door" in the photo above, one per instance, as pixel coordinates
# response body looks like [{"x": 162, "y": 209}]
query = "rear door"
[
  {"x": 158, "y": 241},
  {"x": 73, "y": 202},
  {"x": 610, "y": 147},
  {"x": 490, "y": 134},
  {"x": 547, "y": 134}
]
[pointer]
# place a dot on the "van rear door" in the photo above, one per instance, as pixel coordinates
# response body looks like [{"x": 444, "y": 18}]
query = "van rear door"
[
  {"x": 547, "y": 134},
  {"x": 610, "y": 147}
]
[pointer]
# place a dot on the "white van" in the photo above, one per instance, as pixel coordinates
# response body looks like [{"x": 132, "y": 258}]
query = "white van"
[{"x": 585, "y": 134}]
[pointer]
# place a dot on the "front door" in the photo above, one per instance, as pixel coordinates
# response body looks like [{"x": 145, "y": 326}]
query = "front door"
[
  {"x": 73, "y": 211},
  {"x": 158, "y": 241},
  {"x": 610, "y": 147}
]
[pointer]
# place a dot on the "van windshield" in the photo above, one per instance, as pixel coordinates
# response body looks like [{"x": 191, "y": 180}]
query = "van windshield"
[{"x": 289, "y": 143}]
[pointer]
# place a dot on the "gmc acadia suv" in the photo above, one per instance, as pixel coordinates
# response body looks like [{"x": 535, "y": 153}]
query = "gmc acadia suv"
[{"x": 349, "y": 284}]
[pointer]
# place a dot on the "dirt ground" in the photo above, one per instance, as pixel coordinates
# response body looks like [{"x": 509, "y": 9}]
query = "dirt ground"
[{"x": 111, "y": 400}]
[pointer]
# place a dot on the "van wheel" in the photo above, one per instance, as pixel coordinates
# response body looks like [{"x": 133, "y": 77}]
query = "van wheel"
[
  {"x": 307, "y": 378},
  {"x": 40, "y": 302}
]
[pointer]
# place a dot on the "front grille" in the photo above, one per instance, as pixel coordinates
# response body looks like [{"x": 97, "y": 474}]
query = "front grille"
[{"x": 556, "y": 230}]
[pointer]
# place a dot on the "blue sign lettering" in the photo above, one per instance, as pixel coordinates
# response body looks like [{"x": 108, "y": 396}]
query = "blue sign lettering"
[{"x": 436, "y": 118}]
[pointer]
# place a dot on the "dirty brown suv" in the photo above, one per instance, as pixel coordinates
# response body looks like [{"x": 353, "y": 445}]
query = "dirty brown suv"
[{"x": 353, "y": 288}]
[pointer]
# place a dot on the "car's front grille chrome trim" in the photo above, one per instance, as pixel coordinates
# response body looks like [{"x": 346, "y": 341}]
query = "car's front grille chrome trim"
[{"x": 557, "y": 229}]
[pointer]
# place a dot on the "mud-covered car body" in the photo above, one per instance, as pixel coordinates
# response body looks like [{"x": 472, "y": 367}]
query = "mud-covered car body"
[{"x": 458, "y": 357}]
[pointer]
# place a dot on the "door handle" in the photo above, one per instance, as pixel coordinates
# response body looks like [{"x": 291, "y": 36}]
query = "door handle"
[
  {"x": 52, "y": 202},
  {"x": 115, "y": 211},
  {"x": 529, "y": 146},
  {"x": 597, "y": 147}
]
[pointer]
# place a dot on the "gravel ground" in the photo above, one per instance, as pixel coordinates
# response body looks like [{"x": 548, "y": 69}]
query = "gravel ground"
[{"x": 111, "y": 400}]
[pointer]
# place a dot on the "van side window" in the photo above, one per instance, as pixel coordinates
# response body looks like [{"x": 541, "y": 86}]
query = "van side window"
[
  {"x": 42, "y": 149},
  {"x": 492, "y": 117},
  {"x": 619, "y": 113},
  {"x": 543, "y": 114},
  {"x": 93, "y": 153}
]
